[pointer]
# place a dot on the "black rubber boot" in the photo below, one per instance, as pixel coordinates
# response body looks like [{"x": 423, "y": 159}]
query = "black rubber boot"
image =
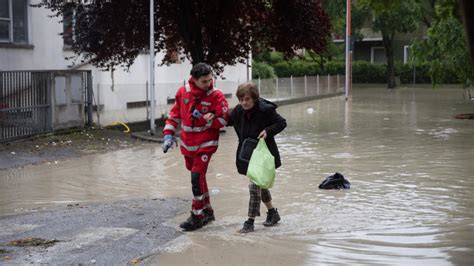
[
  {"x": 192, "y": 223},
  {"x": 272, "y": 217},
  {"x": 247, "y": 228},
  {"x": 208, "y": 216}
]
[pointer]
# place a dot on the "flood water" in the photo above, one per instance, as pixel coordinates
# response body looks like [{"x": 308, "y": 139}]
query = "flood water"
[{"x": 409, "y": 161}]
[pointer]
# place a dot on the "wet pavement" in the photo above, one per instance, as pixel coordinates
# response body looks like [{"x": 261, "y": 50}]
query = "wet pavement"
[
  {"x": 118, "y": 233},
  {"x": 408, "y": 160}
]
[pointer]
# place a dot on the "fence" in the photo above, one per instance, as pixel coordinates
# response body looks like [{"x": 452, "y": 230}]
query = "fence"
[
  {"x": 280, "y": 89},
  {"x": 130, "y": 102},
  {"x": 33, "y": 102}
]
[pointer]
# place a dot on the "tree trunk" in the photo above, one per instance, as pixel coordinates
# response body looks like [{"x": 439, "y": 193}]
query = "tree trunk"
[
  {"x": 388, "y": 45},
  {"x": 467, "y": 7},
  {"x": 191, "y": 31}
]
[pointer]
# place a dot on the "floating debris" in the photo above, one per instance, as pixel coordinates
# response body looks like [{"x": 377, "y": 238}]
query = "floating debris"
[
  {"x": 464, "y": 116},
  {"x": 32, "y": 242}
]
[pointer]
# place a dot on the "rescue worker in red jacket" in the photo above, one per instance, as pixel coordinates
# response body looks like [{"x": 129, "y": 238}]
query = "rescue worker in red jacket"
[{"x": 200, "y": 110}]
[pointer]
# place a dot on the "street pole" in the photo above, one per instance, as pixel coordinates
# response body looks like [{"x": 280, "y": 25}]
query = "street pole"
[
  {"x": 152, "y": 69},
  {"x": 348, "y": 37},
  {"x": 249, "y": 78}
]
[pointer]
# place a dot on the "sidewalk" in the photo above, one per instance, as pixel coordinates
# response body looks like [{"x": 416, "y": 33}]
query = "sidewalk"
[{"x": 146, "y": 135}]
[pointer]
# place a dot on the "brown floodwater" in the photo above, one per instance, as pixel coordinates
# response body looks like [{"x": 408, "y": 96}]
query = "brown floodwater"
[{"x": 409, "y": 161}]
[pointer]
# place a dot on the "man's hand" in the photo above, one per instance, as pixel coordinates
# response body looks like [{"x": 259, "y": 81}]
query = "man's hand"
[
  {"x": 263, "y": 134},
  {"x": 167, "y": 143}
]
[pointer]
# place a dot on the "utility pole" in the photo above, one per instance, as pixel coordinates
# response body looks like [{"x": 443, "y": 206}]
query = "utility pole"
[
  {"x": 152, "y": 69},
  {"x": 348, "y": 50}
]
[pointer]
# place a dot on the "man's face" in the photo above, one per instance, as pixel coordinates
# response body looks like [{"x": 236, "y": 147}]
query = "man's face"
[{"x": 203, "y": 82}]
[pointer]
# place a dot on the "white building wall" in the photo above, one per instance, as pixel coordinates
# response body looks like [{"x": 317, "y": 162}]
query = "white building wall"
[
  {"x": 112, "y": 91},
  {"x": 46, "y": 45}
]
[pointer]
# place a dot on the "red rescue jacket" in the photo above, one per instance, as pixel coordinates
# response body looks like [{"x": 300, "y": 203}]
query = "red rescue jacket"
[{"x": 197, "y": 135}]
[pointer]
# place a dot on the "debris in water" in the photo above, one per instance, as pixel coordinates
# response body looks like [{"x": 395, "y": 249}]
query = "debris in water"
[
  {"x": 32, "y": 242},
  {"x": 464, "y": 116}
]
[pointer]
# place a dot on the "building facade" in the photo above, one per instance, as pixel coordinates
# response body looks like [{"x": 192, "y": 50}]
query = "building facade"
[{"x": 30, "y": 40}]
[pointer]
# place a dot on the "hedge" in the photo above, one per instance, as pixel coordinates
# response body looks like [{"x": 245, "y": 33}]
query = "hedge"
[
  {"x": 262, "y": 70},
  {"x": 362, "y": 71}
]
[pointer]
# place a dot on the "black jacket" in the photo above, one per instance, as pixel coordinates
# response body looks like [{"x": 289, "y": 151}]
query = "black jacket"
[{"x": 249, "y": 124}]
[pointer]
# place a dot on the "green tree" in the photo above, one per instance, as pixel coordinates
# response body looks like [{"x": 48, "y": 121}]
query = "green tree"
[
  {"x": 446, "y": 45},
  {"x": 391, "y": 17},
  {"x": 336, "y": 10}
]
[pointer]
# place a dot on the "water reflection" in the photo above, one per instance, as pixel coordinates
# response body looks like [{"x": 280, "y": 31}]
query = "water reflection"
[{"x": 409, "y": 162}]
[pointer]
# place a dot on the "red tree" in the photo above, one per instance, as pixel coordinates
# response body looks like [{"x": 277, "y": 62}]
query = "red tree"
[{"x": 219, "y": 32}]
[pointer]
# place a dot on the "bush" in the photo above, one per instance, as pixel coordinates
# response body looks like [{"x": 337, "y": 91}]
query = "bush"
[
  {"x": 365, "y": 72},
  {"x": 362, "y": 71},
  {"x": 422, "y": 73},
  {"x": 282, "y": 69},
  {"x": 275, "y": 57},
  {"x": 262, "y": 70},
  {"x": 334, "y": 68}
]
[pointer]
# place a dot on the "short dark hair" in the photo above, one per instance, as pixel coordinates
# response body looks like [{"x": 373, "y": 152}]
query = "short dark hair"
[
  {"x": 247, "y": 88},
  {"x": 200, "y": 70}
]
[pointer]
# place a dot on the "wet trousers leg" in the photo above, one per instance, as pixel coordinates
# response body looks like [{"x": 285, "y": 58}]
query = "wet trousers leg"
[
  {"x": 198, "y": 166},
  {"x": 257, "y": 195}
]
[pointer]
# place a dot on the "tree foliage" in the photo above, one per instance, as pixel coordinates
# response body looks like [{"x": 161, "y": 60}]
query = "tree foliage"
[
  {"x": 220, "y": 32},
  {"x": 389, "y": 18},
  {"x": 336, "y": 10},
  {"x": 445, "y": 46}
]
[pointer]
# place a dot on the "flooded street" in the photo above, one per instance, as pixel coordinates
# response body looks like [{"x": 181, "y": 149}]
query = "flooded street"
[{"x": 409, "y": 161}]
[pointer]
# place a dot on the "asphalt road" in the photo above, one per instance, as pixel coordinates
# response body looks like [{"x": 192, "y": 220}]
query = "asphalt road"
[{"x": 119, "y": 233}]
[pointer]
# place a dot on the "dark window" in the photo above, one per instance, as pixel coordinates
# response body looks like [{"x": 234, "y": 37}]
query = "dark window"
[
  {"x": 68, "y": 25},
  {"x": 14, "y": 21}
]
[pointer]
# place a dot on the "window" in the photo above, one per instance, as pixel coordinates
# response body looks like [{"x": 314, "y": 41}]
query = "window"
[
  {"x": 406, "y": 54},
  {"x": 71, "y": 14},
  {"x": 13, "y": 21},
  {"x": 377, "y": 55},
  {"x": 68, "y": 25}
]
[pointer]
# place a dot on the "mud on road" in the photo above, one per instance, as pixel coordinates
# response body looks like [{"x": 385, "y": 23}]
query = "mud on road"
[{"x": 50, "y": 148}]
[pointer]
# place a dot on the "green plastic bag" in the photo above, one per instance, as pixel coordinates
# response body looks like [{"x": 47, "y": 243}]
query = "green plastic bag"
[{"x": 261, "y": 170}]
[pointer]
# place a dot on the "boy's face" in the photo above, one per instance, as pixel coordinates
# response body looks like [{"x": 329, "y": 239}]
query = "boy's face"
[
  {"x": 203, "y": 82},
  {"x": 246, "y": 102}
]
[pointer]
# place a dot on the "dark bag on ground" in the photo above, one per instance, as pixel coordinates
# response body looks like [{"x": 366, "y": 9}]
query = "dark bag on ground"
[
  {"x": 335, "y": 181},
  {"x": 248, "y": 146}
]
